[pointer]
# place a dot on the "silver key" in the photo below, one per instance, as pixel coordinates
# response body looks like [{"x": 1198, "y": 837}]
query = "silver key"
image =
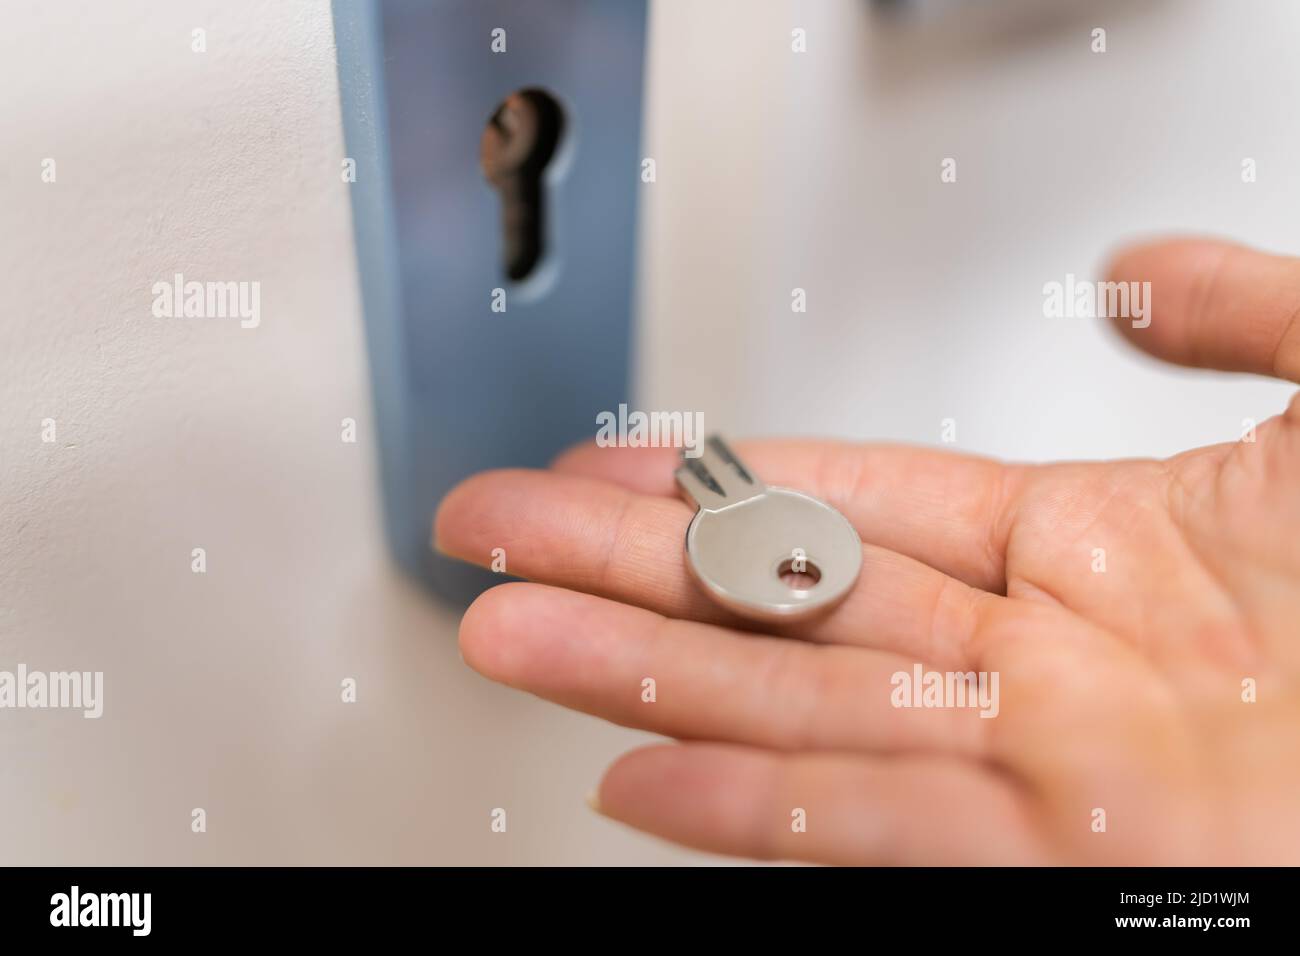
[{"x": 747, "y": 538}]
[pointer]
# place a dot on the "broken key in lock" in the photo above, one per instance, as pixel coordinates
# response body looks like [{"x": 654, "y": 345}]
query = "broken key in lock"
[
  {"x": 521, "y": 138},
  {"x": 749, "y": 541}
]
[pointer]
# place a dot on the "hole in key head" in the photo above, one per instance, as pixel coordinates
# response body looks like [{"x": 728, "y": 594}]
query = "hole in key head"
[
  {"x": 799, "y": 580},
  {"x": 521, "y": 137}
]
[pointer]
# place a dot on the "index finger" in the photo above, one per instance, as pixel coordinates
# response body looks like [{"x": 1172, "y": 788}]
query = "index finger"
[{"x": 949, "y": 511}]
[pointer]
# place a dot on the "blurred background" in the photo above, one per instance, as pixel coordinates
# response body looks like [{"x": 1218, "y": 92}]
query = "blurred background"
[{"x": 775, "y": 170}]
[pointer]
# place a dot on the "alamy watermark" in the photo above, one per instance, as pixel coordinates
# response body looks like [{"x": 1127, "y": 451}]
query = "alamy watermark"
[
  {"x": 179, "y": 299},
  {"x": 636, "y": 429},
  {"x": 132, "y": 911},
  {"x": 946, "y": 689},
  {"x": 1083, "y": 299},
  {"x": 64, "y": 690}
]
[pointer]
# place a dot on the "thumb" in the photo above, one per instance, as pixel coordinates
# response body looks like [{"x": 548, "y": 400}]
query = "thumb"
[{"x": 1216, "y": 305}]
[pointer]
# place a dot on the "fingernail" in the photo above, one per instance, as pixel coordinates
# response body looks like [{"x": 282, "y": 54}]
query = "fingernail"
[{"x": 593, "y": 800}]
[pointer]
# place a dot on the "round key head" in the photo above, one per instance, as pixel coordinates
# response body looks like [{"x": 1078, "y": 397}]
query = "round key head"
[{"x": 779, "y": 555}]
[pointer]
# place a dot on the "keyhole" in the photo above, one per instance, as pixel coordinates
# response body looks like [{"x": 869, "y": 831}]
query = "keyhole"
[
  {"x": 799, "y": 580},
  {"x": 520, "y": 139}
]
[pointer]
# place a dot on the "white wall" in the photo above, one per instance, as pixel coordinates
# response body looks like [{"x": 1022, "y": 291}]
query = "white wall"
[
  {"x": 822, "y": 172},
  {"x": 222, "y": 690}
]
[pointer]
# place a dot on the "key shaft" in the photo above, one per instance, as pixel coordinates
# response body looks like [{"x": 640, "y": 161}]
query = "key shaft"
[{"x": 717, "y": 479}]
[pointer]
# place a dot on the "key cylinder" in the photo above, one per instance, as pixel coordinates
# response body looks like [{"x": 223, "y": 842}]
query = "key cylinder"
[{"x": 520, "y": 140}]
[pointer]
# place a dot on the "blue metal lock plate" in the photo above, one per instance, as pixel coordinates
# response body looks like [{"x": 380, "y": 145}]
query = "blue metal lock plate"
[{"x": 459, "y": 387}]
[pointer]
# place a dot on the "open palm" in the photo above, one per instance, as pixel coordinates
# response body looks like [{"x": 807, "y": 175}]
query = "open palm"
[{"x": 1143, "y": 618}]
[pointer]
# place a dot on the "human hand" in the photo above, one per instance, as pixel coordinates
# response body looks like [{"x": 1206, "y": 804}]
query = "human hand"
[{"x": 1120, "y": 691}]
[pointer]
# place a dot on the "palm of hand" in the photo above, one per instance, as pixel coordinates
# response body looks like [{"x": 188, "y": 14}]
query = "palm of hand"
[
  {"x": 1142, "y": 619},
  {"x": 1148, "y": 654}
]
